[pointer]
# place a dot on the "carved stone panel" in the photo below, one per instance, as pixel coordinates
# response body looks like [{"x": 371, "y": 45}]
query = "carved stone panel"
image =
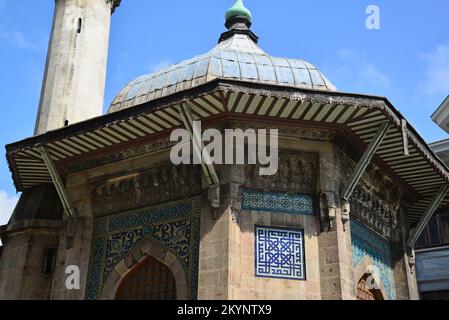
[
  {"x": 376, "y": 213},
  {"x": 144, "y": 187},
  {"x": 297, "y": 172}
]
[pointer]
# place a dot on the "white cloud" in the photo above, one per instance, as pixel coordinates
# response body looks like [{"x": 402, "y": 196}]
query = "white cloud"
[
  {"x": 15, "y": 37},
  {"x": 18, "y": 39},
  {"x": 354, "y": 71},
  {"x": 437, "y": 71},
  {"x": 371, "y": 73},
  {"x": 7, "y": 205},
  {"x": 345, "y": 54},
  {"x": 160, "y": 65}
]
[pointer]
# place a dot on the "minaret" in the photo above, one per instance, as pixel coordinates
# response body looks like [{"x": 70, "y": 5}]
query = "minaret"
[{"x": 75, "y": 73}]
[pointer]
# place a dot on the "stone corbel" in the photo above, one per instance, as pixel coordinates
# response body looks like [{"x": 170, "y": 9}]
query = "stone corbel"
[
  {"x": 214, "y": 196},
  {"x": 232, "y": 200},
  {"x": 235, "y": 201},
  {"x": 345, "y": 213},
  {"x": 328, "y": 208},
  {"x": 411, "y": 259}
]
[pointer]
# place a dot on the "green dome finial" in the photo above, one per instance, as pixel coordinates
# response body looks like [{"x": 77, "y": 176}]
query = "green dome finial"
[{"x": 238, "y": 10}]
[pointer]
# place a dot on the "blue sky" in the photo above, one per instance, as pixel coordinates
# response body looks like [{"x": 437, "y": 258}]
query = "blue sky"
[{"x": 407, "y": 60}]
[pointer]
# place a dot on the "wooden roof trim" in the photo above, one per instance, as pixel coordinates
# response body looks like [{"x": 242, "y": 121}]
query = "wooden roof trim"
[{"x": 228, "y": 87}]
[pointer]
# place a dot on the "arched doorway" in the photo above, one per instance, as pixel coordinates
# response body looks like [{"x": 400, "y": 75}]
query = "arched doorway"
[
  {"x": 149, "y": 280},
  {"x": 366, "y": 292}
]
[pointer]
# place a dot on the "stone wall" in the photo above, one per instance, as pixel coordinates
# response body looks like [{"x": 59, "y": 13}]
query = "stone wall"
[
  {"x": 302, "y": 201},
  {"x": 375, "y": 211},
  {"x": 23, "y": 268},
  {"x": 118, "y": 191},
  {"x": 228, "y": 252}
]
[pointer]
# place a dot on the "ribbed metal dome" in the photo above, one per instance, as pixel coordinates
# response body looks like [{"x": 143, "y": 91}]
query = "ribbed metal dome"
[{"x": 236, "y": 57}]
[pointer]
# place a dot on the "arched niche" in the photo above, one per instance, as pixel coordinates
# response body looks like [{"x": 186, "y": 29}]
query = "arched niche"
[
  {"x": 146, "y": 249},
  {"x": 363, "y": 272}
]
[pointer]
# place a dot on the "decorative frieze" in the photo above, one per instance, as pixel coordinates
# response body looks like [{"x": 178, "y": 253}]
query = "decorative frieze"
[
  {"x": 124, "y": 154},
  {"x": 291, "y": 203},
  {"x": 144, "y": 187},
  {"x": 297, "y": 172},
  {"x": 288, "y": 131},
  {"x": 381, "y": 217}
]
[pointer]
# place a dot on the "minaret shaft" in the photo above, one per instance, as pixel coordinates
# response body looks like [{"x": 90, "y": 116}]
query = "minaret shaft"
[{"x": 75, "y": 73}]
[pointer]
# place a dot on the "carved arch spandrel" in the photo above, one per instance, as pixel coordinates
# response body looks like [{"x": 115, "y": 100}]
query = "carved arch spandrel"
[{"x": 142, "y": 250}]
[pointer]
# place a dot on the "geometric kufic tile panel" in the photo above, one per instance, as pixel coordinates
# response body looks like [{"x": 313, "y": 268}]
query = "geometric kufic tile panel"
[
  {"x": 280, "y": 253},
  {"x": 280, "y": 202},
  {"x": 174, "y": 226},
  {"x": 366, "y": 242}
]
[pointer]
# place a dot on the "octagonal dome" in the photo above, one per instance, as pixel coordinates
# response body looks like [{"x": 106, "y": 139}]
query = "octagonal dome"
[{"x": 236, "y": 57}]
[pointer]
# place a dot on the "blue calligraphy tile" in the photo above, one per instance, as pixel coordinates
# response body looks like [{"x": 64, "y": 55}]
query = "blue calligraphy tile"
[{"x": 280, "y": 253}]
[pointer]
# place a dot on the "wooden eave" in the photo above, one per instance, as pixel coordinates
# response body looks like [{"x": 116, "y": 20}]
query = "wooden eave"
[{"x": 356, "y": 116}]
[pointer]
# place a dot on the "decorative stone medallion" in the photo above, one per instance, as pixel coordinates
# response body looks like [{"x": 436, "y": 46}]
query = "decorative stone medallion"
[{"x": 280, "y": 253}]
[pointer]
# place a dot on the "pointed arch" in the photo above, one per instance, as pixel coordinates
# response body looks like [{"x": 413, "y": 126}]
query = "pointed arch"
[
  {"x": 144, "y": 249},
  {"x": 362, "y": 271}
]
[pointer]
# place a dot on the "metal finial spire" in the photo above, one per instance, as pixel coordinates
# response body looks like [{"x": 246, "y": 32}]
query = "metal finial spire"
[{"x": 238, "y": 10}]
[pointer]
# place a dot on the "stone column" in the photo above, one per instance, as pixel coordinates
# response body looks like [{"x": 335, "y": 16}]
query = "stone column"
[
  {"x": 75, "y": 240},
  {"x": 218, "y": 267},
  {"x": 335, "y": 251}
]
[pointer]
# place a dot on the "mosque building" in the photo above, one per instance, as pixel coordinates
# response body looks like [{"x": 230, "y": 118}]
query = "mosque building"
[{"x": 355, "y": 187}]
